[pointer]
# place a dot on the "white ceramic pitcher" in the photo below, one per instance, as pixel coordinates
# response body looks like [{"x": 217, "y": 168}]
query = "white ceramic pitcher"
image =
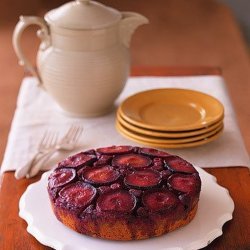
[{"x": 83, "y": 59}]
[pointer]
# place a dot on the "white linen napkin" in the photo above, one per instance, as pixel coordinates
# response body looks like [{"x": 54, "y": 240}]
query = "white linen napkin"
[{"x": 37, "y": 112}]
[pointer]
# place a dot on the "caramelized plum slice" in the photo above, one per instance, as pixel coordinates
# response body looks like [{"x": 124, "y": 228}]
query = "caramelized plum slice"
[
  {"x": 116, "y": 201},
  {"x": 77, "y": 160},
  {"x": 101, "y": 175},
  {"x": 178, "y": 164},
  {"x": 78, "y": 194},
  {"x": 132, "y": 160},
  {"x": 61, "y": 177},
  {"x": 115, "y": 150},
  {"x": 185, "y": 183},
  {"x": 160, "y": 199},
  {"x": 103, "y": 160},
  {"x": 143, "y": 179},
  {"x": 153, "y": 152}
]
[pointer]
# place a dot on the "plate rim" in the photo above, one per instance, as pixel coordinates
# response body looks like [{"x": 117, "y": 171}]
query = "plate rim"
[
  {"x": 180, "y": 140},
  {"x": 168, "y": 134},
  {"x": 171, "y": 146},
  {"x": 179, "y": 128}
]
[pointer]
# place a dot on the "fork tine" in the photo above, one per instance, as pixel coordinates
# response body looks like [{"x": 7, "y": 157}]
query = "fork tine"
[
  {"x": 66, "y": 143},
  {"x": 77, "y": 135},
  {"x": 44, "y": 139},
  {"x": 49, "y": 140},
  {"x": 53, "y": 140},
  {"x": 74, "y": 133},
  {"x": 70, "y": 132}
]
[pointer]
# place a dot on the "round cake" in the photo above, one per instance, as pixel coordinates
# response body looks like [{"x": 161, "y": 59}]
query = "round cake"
[{"x": 124, "y": 192}]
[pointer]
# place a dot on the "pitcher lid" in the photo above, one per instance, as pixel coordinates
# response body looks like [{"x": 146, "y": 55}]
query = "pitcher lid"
[{"x": 83, "y": 14}]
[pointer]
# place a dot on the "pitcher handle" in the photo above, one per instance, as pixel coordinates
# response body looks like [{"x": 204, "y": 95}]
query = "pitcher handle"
[{"x": 43, "y": 34}]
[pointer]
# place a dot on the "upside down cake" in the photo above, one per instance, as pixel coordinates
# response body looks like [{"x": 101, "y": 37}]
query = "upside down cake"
[{"x": 124, "y": 192}]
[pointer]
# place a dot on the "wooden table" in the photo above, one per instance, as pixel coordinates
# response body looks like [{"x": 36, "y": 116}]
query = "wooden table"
[{"x": 181, "y": 33}]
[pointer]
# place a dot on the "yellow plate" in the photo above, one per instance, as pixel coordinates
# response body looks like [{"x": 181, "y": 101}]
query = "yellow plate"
[
  {"x": 154, "y": 139},
  {"x": 167, "y": 145},
  {"x": 171, "y": 109},
  {"x": 166, "y": 134}
]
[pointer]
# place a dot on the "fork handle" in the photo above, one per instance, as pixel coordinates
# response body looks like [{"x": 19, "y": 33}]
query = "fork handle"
[
  {"x": 39, "y": 164},
  {"x": 23, "y": 170}
]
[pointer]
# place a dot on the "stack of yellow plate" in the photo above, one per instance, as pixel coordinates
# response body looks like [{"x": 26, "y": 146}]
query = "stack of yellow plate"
[{"x": 170, "y": 118}]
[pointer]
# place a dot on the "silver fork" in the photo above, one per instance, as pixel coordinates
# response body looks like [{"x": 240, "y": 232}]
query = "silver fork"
[
  {"x": 48, "y": 141},
  {"x": 67, "y": 143}
]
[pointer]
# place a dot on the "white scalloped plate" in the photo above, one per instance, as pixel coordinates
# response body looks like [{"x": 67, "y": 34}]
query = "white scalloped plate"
[{"x": 215, "y": 208}]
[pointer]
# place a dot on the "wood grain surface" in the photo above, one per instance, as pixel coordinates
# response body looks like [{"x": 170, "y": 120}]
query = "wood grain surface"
[{"x": 181, "y": 35}]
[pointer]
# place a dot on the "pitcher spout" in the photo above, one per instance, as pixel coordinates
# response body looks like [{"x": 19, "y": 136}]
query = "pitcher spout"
[{"x": 129, "y": 23}]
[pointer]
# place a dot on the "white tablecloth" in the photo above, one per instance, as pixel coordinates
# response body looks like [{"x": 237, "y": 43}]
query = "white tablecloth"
[{"x": 36, "y": 112}]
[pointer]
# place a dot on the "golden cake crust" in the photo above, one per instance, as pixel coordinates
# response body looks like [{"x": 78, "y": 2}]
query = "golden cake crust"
[{"x": 123, "y": 229}]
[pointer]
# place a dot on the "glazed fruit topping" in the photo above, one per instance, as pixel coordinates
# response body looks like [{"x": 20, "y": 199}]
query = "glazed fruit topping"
[
  {"x": 103, "y": 189},
  {"x": 124, "y": 179},
  {"x": 103, "y": 160},
  {"x": 116, "y": 201},
  {"x": 185, "y": 199},
  {"x": 153, "y": 152},
  {"x": 101, "y": 175},
  {"x": 89, "y": 209},
  {"x": 165, "y": 174},
  {"x": 184, "y": 183},
  {"x": 115, "y": 185},
  {"x": 115, "y": 150},
  {"x": 77, "y": 161},
  {"x": 78, "y": 194},
  {"x": 158, "y": 164},
  {"x": 158, "y": 200},
  {"x": 136, "y": 192},
  {"x": 177, "y": 164},
  {"x": 142, "y": 211},
  {"x": 61, "y": 177},
  {"x": 143, "y": 179},
  {"x": 132, "y": 161}
]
